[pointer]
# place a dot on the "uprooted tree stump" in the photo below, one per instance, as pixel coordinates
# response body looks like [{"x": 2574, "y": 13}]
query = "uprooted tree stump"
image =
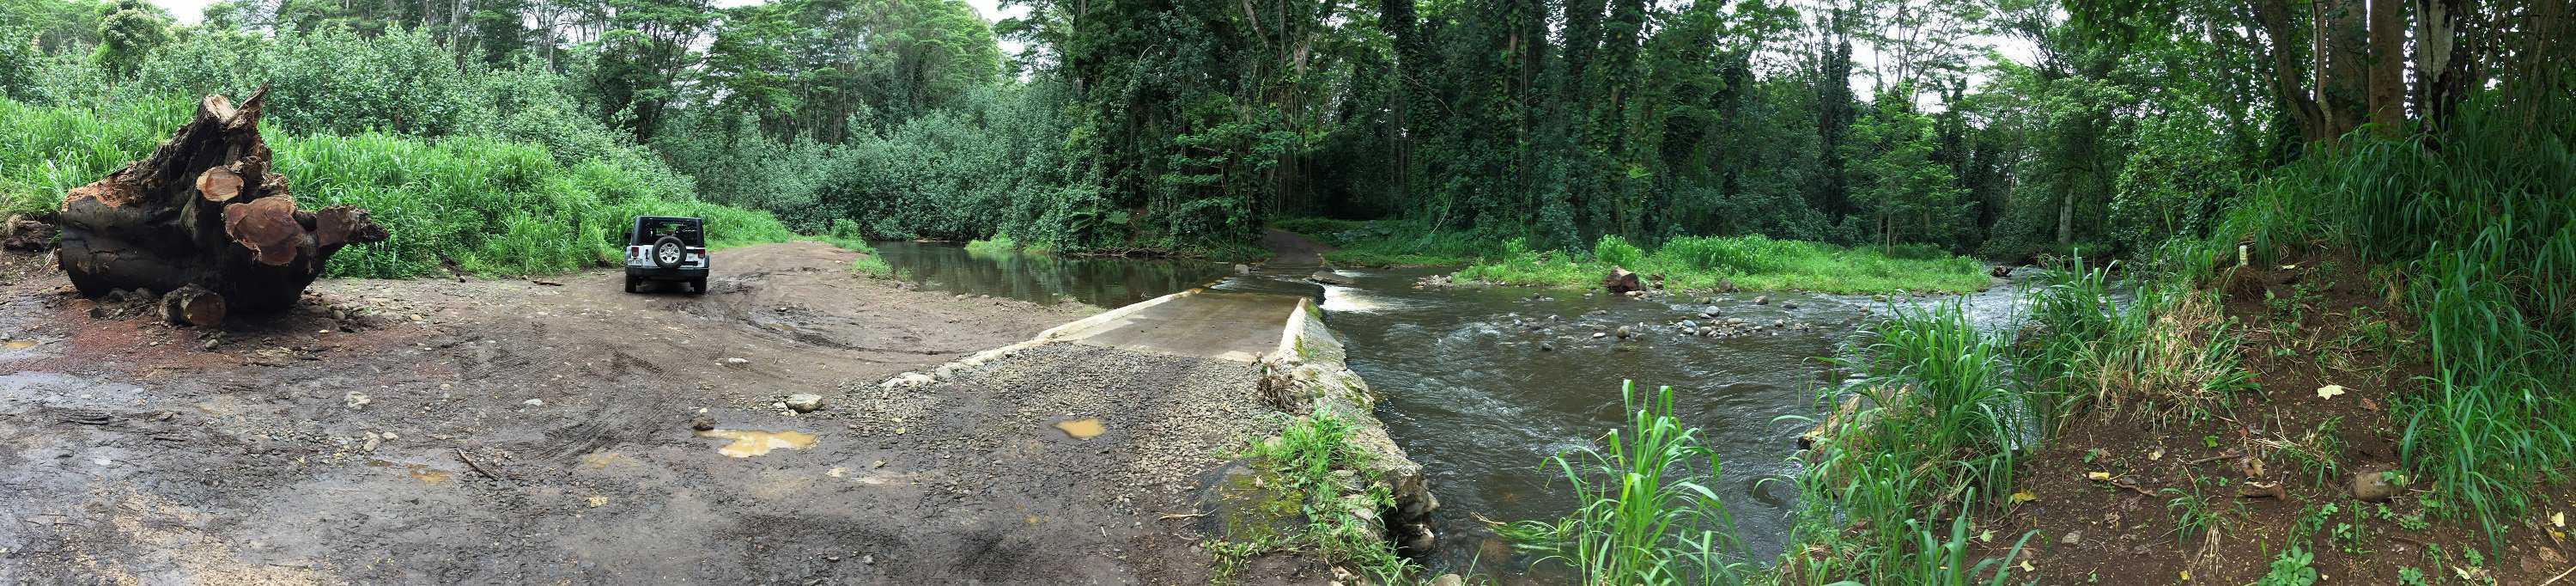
[{"x": 203, "y": 221}]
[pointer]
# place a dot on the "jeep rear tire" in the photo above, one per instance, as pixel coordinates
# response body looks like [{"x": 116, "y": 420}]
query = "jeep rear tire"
[
  {"x": 669, "y": 252},
  {"x": 630, "y": 283},
  {"x": 698, "y": 286}
]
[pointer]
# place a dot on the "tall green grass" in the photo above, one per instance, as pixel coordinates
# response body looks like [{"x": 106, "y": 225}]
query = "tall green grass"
[
  {"x": 485, "y": 205},
  {"x": 1648, "y": 515},
  {"x": 1748, "y": 262},
  {"x": 2479, "y": 224},
  {"x": 1942, "y": 423},
  {"x": 1690, "y": 262}
]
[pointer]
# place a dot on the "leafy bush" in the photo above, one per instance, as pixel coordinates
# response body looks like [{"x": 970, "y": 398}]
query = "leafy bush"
[
  {"x": 1616, "y": 251},
  {"x": 488, "y": 205}
]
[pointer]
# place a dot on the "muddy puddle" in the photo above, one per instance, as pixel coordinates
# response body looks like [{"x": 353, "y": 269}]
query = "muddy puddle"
[
  {"x": 1085, "y": 428},
  {"x": 748, "y": 442},
  {"x": 421, "y": 472}
]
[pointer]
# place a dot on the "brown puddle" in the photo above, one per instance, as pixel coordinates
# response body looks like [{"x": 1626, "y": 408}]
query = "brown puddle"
[
  {"x": 600, "y": 460},
  {"x": 1084, "y": 428},
  {"x": 420, "y": 472},
  {"x": 748, "y": 443},
  {"x": 18, "y": 344}
]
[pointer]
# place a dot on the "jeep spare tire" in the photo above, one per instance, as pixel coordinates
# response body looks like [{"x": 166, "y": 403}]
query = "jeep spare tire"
[{"x": 669, "y": 252}]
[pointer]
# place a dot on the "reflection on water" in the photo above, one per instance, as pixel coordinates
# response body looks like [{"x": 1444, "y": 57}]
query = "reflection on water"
[{"x": 1047, "y": 279}]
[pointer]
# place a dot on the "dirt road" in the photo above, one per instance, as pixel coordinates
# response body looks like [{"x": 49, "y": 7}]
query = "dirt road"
[{"x": 433, "y": 431}]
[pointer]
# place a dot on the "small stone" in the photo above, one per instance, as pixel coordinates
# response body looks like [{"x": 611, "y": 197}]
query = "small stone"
[
  {"x": 356, "y": 399},
  {"x": 2375, "y": 485},
  {"x": 737, "y": 361},
  {"x": 2071, "y": 537},
  {"x": 534, "y": 402},
  {"x": 1789, "y": 304},
  {"x": 1544, "y": 346},
  {"x": 804, "y": 402},
  {"x": 1762, "y": 300},
  {"x": 1448, "y": 580},
  {"x": 702, "y": 422}
]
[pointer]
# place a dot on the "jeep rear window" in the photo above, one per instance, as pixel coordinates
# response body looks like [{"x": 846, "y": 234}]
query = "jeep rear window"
[{"x": 653, "y": 229}]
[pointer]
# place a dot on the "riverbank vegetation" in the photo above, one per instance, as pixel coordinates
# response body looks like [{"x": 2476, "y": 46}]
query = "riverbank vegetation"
[
  {"x": 2227, "y": 399},
  {"x": 1700, "y": 263}
]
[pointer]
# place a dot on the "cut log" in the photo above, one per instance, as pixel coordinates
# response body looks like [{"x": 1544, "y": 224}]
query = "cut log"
[
  {"x": 203, "y": 210},
  {"x": 1620, "y": 281},
  {"x": 193, "y": 305}
]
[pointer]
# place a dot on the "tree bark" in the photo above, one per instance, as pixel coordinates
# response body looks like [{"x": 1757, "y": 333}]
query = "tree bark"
[
  {"x": 2388, "y": 64},
  {"x": 203, "y": 210},
  {"x": 192, "y": 305}
]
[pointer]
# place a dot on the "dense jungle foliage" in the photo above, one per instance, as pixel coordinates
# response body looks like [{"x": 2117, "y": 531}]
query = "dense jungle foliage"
[
  {"x": 1995, "y": 127},
  {"x": 1806, "y": 141}
]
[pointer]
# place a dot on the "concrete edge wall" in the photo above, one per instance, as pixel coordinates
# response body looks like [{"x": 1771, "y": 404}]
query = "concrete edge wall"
[
  {"x": 1049, "y": 335},
  {"x": 1308, "y": 374}
]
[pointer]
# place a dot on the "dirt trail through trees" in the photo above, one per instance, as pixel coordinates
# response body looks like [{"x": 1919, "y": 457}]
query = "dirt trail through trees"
[{"x": 432, "y": 431}]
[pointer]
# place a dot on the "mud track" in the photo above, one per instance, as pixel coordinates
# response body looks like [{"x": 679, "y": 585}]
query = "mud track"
[{"x": 508, "y": 431}]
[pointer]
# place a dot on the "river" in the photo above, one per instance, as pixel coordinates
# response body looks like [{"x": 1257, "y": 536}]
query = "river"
[{"x": 1482, "y": 385}]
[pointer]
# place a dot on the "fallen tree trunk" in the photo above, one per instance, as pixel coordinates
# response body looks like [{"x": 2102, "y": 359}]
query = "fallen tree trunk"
[{"x": 204, "y": 210}]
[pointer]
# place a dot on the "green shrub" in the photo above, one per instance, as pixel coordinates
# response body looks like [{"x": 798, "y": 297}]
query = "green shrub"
[
  {"x": 487, "y": 205},
  {"x": 1616, "y": 251}
]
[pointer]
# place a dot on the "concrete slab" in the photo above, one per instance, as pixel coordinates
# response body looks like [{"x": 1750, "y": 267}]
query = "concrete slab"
[{"x": 1207, "y": 324}]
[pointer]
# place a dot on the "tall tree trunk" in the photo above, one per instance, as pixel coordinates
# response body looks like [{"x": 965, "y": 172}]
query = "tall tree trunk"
[
  {"x": 2388, "y": 64},
  {"x": 2342, "y": 79},
  {"x": 2272, "y": 18},
  {"x": 2441, "y": 59}
]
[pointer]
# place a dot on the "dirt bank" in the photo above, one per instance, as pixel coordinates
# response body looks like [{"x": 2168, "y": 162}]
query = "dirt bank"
[{"x": 433, "y": 431}]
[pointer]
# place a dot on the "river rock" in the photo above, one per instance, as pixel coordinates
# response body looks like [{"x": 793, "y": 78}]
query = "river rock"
[
  {"x": 1242, "y": 269},
  {"x": 1789, "y": 304},
  {"x": 1620, "y": 281},
  {"x": 1448, "y": 580},
  {"x": 1689, "y": 325},
  {"x": 2374, "y": 485},
  {"x": 1762, "y": 300},
  {"x": 1546, "y": 346},
  {"x": 1328, "y": 277},
  {"x": 1734, "y": 321},
  {"x": 804, "y": 402},
  {"x": 1625, "y": 333},
  {"x": 1600, "y": 335}
]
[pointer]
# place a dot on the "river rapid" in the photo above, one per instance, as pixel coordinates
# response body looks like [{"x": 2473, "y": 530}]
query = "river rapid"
[{"x": 1482, "y": 385}]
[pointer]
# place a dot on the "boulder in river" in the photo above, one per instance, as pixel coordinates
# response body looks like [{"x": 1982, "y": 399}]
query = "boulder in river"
[
  {"x": 1328, "y": 277},
  {"x": 1620, "y": 280}
]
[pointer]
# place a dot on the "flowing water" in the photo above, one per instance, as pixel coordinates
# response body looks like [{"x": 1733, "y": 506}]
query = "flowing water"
[
  {"x": 1482, "y": 385},
  {"x": 1048, "y": 279}
]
